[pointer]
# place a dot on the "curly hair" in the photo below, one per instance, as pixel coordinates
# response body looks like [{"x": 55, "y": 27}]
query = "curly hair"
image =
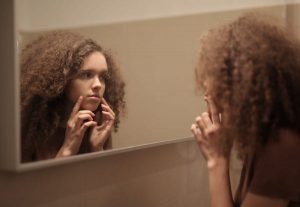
[
  {"x": 253, "y": 67},
  {"x": 47, "y": 66}
]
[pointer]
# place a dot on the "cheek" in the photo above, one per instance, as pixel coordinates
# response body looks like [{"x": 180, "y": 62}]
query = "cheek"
[{"x": 103, "y": 88}]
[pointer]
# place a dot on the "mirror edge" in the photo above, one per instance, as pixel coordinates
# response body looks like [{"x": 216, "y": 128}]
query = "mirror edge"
[
  {"x": 96, "y": 155},
  {"x": 9, "y": 91}
]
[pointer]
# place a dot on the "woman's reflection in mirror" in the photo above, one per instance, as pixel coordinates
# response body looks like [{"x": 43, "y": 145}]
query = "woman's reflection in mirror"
[
  {"x": 72, "y": 96},
  {"x": 250, "y": 71}
]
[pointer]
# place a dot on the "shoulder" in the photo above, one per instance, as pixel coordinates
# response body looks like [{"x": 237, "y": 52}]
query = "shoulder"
[
  {"x": 283, "y": 150},
  {"x": 276, "y": 171}
]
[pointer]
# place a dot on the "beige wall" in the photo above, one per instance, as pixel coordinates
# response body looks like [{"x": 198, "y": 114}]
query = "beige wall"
[
  {"x": 164, "y": 176},
  {"x": 173, "y": 175},
  {"x": 293, "y": 19},
  {"x": 35, "y": 15}
]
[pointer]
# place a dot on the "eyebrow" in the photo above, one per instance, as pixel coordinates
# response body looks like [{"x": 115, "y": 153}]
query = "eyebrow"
[{"x": 103, "y": 70}]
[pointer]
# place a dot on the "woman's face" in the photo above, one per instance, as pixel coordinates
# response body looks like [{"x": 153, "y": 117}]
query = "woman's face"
[{"x": 89, "y": 82}]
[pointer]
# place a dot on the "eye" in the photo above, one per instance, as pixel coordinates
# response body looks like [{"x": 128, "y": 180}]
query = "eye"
[
  {"x": 104, "y": 77},
  {"x": 86, "y": 75}
]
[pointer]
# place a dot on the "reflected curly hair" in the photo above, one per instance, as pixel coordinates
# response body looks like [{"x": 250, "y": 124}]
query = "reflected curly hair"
[
  {"x": 47, "y": 66},
  {"x": 253, "y": 68}
]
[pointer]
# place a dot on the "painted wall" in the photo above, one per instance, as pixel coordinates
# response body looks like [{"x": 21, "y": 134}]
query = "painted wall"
[
  {"x": 163, "y": 176},
  {"x": 47, "y": 14},
  {"x": 172, "y": 175}
]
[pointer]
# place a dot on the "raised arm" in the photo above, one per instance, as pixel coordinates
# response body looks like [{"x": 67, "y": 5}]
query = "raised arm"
[{"x": 206, "y": 131}]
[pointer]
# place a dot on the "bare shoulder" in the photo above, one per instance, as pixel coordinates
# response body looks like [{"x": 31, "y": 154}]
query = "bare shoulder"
[
  {"x": 276, "y": 173},
  {"x": 289, "y": 137},
  {"x": 288, "y": 141},
  {"x": 263, "y": 201}
]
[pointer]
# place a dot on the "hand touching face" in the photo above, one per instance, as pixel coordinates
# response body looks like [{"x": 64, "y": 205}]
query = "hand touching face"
[
  {"x": 77, "y": 124},
  {"x": 206, "y": 131},
  {"x": 101, "y": 125},
  {"x": 89, "y": 82},
  {"x": 100, "y": 133}
]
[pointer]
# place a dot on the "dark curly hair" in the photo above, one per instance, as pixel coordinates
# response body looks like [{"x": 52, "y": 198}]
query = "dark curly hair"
[
  {"x": 253, "y": 67},
  {"x": 47, "y": 66}
]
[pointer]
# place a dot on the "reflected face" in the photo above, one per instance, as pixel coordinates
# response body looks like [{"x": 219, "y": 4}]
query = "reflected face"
[{"x": 89, "y": 82}]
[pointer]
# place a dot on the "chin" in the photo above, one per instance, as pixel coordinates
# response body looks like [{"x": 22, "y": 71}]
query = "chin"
[{"x": 90, "y": 107}]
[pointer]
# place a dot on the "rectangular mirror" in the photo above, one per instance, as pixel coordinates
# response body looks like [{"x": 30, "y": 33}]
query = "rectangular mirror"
[{"x": 155, "y": 44}]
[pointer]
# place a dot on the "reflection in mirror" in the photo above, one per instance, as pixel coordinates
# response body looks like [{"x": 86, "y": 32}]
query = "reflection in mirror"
[
  {"x": 156, "y": 53},
  {"x": 72, "y": 95}
]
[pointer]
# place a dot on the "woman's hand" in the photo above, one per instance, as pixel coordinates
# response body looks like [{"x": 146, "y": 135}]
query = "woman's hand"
[
  {"x": 78, "y": 123},
  {"x": 99, "y": 134},
  {"x": 206, "y": 131}
]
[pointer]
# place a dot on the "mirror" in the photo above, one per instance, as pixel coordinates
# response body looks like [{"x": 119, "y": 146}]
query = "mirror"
[{"x": 155, "y": 45}]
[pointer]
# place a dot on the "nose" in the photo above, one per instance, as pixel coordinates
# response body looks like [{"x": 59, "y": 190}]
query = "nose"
[{"x": 96, "y": 83}]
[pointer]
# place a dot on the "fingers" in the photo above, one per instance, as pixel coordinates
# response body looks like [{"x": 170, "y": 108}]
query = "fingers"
[
  {"x": 205, "y": 120},
  {"x": 82, "y": 117},
  {"x": 79, "y": 117},
  {"x": 74, "y": 133},
  {"x": 77, "y": 106},
  {"x": 199, "y": 123},
  {"x": 212, "y": 110},
  {"x": 86, "y": 112},
  {"x": 107, "y": 111},
  {"x": 204, "y": 124},
  {"x": 86, "y": 125},
  {"x": 197, "y": 134},
  {"x": 107, "y": 108},
  {"x": 196, "y": 131},
  {"x": 108, "y": 115},
  {"x": 104, "y": 101},
  {"x": 108, "y": 120}
]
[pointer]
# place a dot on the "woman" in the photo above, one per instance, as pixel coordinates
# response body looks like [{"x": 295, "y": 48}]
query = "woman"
[
  {"x": 250, "y": 71},
  {"x": 72, "y": 95}
]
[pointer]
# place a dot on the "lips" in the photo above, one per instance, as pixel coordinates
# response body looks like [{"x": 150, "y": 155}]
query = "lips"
[{"x": 94, "y": 96}]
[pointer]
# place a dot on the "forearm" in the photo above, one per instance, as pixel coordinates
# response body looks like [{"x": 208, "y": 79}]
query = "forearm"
[
  {"x": 63, "y": 152},
  {"x": 219, "y": 184},
  {"x": 103, "y": 143},
  {"x": 67, "y": 150}
]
